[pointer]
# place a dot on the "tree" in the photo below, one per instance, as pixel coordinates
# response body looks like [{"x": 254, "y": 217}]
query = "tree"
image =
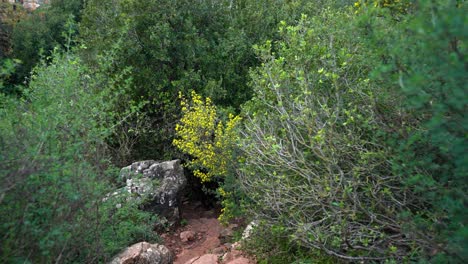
[
  {"x": 38, "y": 33},
  {"x": 178, "y": 46},
  {"x": 9, "y": 16}
]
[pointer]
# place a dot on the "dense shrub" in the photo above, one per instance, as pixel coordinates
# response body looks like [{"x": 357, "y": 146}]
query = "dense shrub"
[
  {"x": 359, "y": 150},
  {"x": 351, "y": 146},
  {"x": 177, "y": 46},
  {"x": 315, "y": 163},
  {"x": 36, "y": 35},
  {"x": 9, "y": 15},
  {"x": 270, "y": 244},
  {"x": 55, "y": 171},
  {"x": 426, "y": 62}
]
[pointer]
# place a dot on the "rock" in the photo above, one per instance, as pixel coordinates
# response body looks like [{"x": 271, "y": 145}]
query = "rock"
[
  {"x": 134, "y": 169},
  {"x": 144, "y": 253},
  {"x": 228, "y": 245},
  {"x": 205, "y": 259},
  {"x": 248, "y": 230},
  {"x": 236, "y": 246},
  {"x": 219, "y": 250},
  {"x": 240, "y": 260},
  {"x": 155, "y": 187},
  {"x": 232, "y": 255},
  {"x": 187, "y": 236},
  {"x": 226, "y": 233}
]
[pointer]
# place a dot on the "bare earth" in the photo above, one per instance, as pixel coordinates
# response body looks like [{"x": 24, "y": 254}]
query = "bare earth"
[{"x": 203, "y": 240}]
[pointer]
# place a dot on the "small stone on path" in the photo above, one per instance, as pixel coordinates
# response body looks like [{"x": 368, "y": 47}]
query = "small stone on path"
[
  {"x": 219, "y": 250},
  {"x": 187, "y": 236}
]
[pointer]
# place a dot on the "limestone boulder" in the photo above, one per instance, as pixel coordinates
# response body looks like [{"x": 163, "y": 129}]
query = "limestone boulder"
[
  {"x": 144, "y": 253},
  {"x": 153, "y": 186}
]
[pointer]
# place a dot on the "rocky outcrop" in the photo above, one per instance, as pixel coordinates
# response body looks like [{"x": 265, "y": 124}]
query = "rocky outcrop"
[
  {"x": 30, "y": 4},
  {"x": 144, "y": 253},
  {"x": 153, "y": 186}
]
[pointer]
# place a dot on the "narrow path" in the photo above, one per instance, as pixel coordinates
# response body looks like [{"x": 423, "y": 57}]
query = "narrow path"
[{"x": 203, "y": 240}]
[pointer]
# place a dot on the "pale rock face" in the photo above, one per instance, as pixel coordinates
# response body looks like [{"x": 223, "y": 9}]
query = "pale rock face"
[
  {"x": 249, "y": 229},
  {"x": 31, "y": 5},
  {"x": 144, "y": 253}
]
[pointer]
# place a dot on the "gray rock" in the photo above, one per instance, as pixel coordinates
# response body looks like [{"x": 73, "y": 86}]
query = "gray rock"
[
  {"x": 135, "y": 169},
  {"x": 144, "y": 253},
  {"x": 155, "y": 187}
]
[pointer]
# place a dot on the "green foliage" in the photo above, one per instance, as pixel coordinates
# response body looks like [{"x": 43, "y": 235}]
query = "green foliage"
[
  {"x": 174, "y": 46},
  {"x": 124, "y": 226},
  {"x": 55, "y": 172},
  {"x": 429, "y": 64},
  {"x": 271, "y": 245},
  {"x": 164, "y": 50},
  {"x": 38, "y": 33},
  {"x": 356, "y": 162},
  {"x": 9, "y": 15},
  {"x": 352, "y": 143},
  {"x": 315, "y": 163},
  {"x": 7, "y": 68},
  {"x": 396, "y": 7}
]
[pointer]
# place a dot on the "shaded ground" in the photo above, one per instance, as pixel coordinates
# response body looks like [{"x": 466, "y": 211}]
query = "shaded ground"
[{"x": 203, "y": 239}]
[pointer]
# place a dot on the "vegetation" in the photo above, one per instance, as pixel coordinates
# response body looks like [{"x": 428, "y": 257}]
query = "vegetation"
[
  {"x": 55, "y": 171},
  {"x": 339, "y": 126}
]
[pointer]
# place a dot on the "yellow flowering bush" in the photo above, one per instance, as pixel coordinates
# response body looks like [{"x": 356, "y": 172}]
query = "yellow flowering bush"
[{"x": 207, "y": 139}]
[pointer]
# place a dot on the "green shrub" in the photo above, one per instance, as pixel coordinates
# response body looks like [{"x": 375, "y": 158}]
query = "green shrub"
[
  {"x": 55, "y": 171},
  {"x": 36, "y": 35},
  {"x": 272, "y": 245},
  {"x": 426, "y": 63},
  {"x": 315, "y": 163},
  {"x": 174, "y": 46},
  {"x": 360, "y": 150}
]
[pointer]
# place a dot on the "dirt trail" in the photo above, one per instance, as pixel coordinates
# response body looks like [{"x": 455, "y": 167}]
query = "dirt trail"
[{"x": 203, "y": 240}]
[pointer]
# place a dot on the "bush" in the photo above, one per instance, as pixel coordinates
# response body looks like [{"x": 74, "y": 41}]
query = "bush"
[
  {"x": 176, "y": 46},
  {"x": 210, "y": 142},
  {"x": 426, "y": 63},
  {"x": 55, "y": 172},
  {"x": 315, "y": 163},
  {"x": 271, "y": 245},
  {"x": 206, "y": 138}
]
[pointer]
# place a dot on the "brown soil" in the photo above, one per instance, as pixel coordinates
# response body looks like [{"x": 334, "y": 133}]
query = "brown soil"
[{"x": 204, "y": 223}]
